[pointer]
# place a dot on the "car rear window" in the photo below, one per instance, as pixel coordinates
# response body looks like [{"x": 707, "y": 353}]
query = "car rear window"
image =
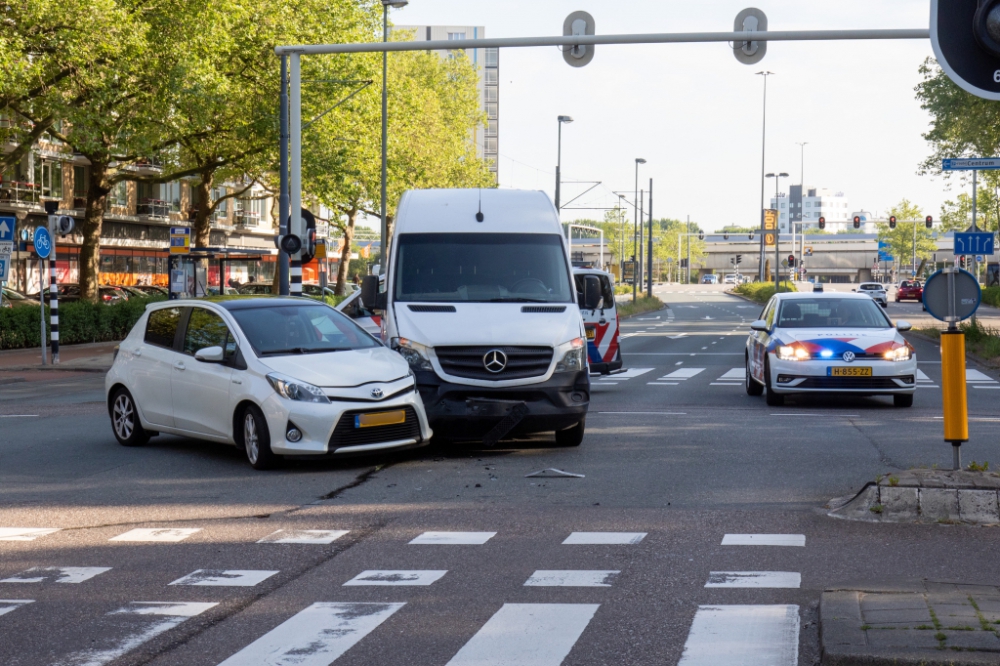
[{"x": 161, "y": 328}]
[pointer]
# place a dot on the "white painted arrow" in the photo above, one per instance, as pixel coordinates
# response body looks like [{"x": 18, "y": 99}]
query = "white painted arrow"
[{"x": 4, "y": 229}]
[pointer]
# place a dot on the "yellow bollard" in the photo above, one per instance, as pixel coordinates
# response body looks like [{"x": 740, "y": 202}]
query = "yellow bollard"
[{"x": 953, "y": 391}]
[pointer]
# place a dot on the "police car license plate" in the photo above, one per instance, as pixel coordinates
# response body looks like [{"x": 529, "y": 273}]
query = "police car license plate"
[
  {"x": 379, "y": 419},
  {"x": 591, "y": 334},
  {"x": 852, "y": 371}
]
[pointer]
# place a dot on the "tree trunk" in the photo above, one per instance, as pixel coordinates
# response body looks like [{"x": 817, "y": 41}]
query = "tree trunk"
[
  {"x": 90, "y": 250},
  {"x": 345, "y": 253},
  {"x": 202, "y": 231}
]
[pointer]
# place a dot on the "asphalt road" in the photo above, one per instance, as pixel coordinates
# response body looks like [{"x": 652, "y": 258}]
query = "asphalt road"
[{"x": 676, "y": 458}]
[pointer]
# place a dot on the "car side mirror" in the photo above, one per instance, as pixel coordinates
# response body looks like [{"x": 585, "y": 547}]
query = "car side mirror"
[
  {"x": 210, "y": 355},
  {"x": 759, "y": 325},
  {"x": 370, "y": 296},
  {"x": 591, "y": 292},
  {"x": 903, "y": 326}
]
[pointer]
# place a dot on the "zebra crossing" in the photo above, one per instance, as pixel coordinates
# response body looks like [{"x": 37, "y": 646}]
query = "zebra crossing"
[{"x": 319, "y": 632}]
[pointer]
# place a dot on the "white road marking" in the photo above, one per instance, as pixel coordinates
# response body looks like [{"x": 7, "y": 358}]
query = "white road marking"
[
  {"x": 678, "y": 337},
  {"x": 976, "y": 376},
  {"x": 454, "y": 538},
  {"x": 724, "y": 384},
  {"x": 25, "y": 533},
  {"x": 769, "y": 579},
  {"x": 8, "y": 605},
  {"x": 764, "y": 540},
  {"x": 735, "y": 373},
  {"x": 304, "y": 536},
  {"x": 142, "y": 621},
  {"x": 661, "y": 384},
  {"x": 162, "y": 534},
  {"x": 603, "y": 538},
  {"x": 922, "y": 376},
  {"x": 56, "y": 575},
  {"x": 683, "y": 374},
  {"x": 18, "y": 416},
  {"x": 400, "y": 577},
  {"x": 928, "y": 386},
  {"x": 527, "y": 635},
  {"x": 744, "y": 636},
  {"x": 576, "y": 578},
  {"x": 316, "y": 636},
  {"x": 657, "y": 413},
  {"x": 628, "y": 374},
  {"x": 987, "y": 388},
  {"x": 224, "y": 578}
]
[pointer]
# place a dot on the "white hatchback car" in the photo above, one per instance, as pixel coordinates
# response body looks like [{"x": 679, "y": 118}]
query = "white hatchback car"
[
  {"x": 271, "y": 376},
  {"x": 829, "y": 343},
  {"x": 877, "y": 292}
]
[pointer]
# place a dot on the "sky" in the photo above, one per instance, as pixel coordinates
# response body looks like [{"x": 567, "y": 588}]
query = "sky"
[{"x": 695, "y": 113}]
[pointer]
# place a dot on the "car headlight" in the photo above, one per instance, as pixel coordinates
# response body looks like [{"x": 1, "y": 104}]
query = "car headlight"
[
  {"x": 899, "y": 354},
  {"x": 416, "y": 354},
  {"x": 575, "y": 358},
  {"x": 792, "y": 353},
  {"x": 293, "y": 389}
]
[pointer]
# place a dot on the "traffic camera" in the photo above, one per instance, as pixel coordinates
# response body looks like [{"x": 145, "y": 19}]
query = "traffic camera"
[{"x": 892, "y": 221}]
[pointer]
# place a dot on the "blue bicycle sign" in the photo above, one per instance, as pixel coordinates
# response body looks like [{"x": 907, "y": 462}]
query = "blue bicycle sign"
[{"x": 43, "y": 242}]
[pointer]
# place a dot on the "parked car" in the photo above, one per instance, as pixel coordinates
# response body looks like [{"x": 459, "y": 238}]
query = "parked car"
[
  {"x": 601, "y": 323},
  {"x": 732, "y": 278},
  {"x": 151, "y": 290},
  {"x": 69, "y": 293},
  {"x": 909, "y": 290},
  {"x": 710, "y": 279},
  {"x": 876, "y": 291},
  {"x": 270, "y": 376},
  {"x": 10, "y": 298},
  {"x": 255, "y": 289}
]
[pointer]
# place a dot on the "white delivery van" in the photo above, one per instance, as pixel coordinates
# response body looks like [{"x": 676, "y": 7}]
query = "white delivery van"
[
  {"x": 480, "y": 299},
  {"x": 601, "y": 323}
]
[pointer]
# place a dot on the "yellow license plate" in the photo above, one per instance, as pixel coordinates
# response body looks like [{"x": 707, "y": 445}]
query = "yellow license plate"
[
  {"x": 850, "y": 372},
  {"x": 379, "y": 419},
  {"x": 591, "y": 334}
]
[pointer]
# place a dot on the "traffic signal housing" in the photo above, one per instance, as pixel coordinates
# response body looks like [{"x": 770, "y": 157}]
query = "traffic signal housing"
[
  {"x": 857, "y": 222},
  {"x": 791, "y": 261},
  {"x": 701, "y": 235},
  {"x": 965, "y": 35},
  {"x": 892, "y": 221},
  {"x": 929, "y": 222},
  {"x": 739, "y": 259}
]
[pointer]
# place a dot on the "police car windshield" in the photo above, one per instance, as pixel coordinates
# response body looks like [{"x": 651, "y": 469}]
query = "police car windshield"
[{"x": 832, "y": 313}]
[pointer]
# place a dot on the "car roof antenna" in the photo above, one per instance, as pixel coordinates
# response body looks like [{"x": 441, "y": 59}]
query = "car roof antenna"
[{"x": 479, "y": 216}]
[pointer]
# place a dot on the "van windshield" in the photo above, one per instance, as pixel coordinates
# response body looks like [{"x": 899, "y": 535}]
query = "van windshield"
[{"x": 482, "y": 268}]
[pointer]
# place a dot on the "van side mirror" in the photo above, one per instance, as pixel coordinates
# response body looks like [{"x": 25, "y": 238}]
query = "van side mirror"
[
  {"x": 370, "y": 295},
  {"x": 592, "y": 292}
]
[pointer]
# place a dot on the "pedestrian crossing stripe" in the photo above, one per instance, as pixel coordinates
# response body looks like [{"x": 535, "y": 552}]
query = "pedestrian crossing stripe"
[
  {"x": 764, "y": 540},
  {"x": 745, "y": 635},
  {"x": 157, "y": 534},
  {"x": 683, "y": 374},
  {"x": 401, "y": 577},
  {"x": 755, "y": 579},
  {"x": 454, "y": 538},
  {"x": 8, "y": 605},
  {"x": 25, "y": 533},
  {"x": 974, "y": 376},
  {"x": 319, "y": 537},
  {"x": 56, "y": 575},
  {"x": 224, "y": 578},
  {"x": 735, "y": 373},
  {"x": 631, "y": 373},
  {"x": 577, "y": 578},
  {"x": 603, "y": 538}
]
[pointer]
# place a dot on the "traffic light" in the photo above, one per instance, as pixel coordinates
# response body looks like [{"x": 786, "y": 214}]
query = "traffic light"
[
  {"x": 791, "y": 261},
  {"x": 966, "y": 39},
  {"x": 961, "y": 261},
  {"x": 732, "y": 260},
  {"x": 701, "y": 235},
  {"x": 857, "y": 222},
  {"x": 725, "y": 236},
  {"x": 892, "y": 221},
  {"x": 929, "y": 222},
  {"x": 822, "y": 223},
  {"x": 739, "y": 259},
  {"x": 684, "y": 263}
]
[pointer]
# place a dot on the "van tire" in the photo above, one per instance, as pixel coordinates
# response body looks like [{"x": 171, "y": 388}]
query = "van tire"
[{"x": 571, "y": 436}]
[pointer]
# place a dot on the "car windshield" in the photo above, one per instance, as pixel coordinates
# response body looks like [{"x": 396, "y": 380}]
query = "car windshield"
[
  {"x": 13, "y": 295},
  {"x": 277, "y": 330},
  {"x": 482, "y": 268},
  {"x": 831, "y": 313}
]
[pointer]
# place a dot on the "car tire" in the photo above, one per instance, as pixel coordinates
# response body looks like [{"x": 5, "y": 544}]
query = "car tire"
[
  {"x": 752, "y": 385},
  {"x": 903, "y": 400},
  {"x": 125, "y": 419},
  {"x": 571, "y": 436},
  {"x": 773, "y": 399},
  {"x": 255, "y": 439}
]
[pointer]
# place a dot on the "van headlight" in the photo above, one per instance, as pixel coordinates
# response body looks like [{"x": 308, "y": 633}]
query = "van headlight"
[
  {"x": 293, "y": 389},
  {"x": 574, "y": 357},
  {"x": 899, "y": 354},
  {"x": 416, "y": 354}
]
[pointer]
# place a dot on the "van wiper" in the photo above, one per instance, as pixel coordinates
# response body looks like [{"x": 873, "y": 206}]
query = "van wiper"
[{"x": 518, "y": 299}]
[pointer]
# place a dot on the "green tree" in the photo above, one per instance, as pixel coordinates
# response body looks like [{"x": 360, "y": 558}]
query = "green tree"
[{"x": 910, "y": 235}]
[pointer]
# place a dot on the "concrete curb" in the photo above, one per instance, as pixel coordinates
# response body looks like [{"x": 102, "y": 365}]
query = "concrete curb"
[{"x": 925, "y": 496}]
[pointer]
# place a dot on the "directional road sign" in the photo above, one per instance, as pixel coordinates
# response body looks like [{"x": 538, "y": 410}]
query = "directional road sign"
[
  {"x": 43, "y": 242},
  {"x": 4, "y": 267},
  {"x": 180, "y": 240},
  {"x": 971, "y": 164},
  {"x": 7, "y": 225},
  {"x": 974, "y": 243}
]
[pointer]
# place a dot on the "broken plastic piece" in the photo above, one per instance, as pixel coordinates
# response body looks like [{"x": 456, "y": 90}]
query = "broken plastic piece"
[{"x": 553, "y": 473}]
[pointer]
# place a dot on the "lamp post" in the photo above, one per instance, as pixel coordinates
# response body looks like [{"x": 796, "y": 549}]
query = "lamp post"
[
  {"x": 384, "y": 235},
  {"x": 802, "y": 189},
  {"x": 777, "y": 232},
  {"x": 635, "y": 234},
  {"x": 562, "y": 120},
  {"x": 763, "y": 154}
]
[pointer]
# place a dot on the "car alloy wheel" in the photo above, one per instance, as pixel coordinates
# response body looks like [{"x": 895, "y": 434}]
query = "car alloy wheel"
[
  {"x": 124, "y": 416},
  {"x": 250, "y": 439}
]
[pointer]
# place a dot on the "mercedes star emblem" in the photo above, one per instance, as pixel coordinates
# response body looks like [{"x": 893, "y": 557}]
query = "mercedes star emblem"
[
  {"x": 495, "y": 361},
  {"x": 376, "y": 393},
  {"x": 848, "y": 357}
]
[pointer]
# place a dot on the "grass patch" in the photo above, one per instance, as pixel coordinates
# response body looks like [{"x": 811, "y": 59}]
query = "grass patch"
[
  {"x": 878, "y": 508},
  {"x": 979, "y": 467},
  {"x": 980, "y": 339},
  {"x": 761, "y": 292},
  {"x": 643, "y": 304},
  {"x": 991, "y": 296}
]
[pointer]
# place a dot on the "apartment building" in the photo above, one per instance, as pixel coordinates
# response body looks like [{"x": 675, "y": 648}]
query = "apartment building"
[
  {"x": 803, "y": 206},
  {"x": 487, "y": 63}
]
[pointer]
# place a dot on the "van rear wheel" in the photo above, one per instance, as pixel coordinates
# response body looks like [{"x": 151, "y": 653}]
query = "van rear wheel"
[{"x": 571, "y": 436}]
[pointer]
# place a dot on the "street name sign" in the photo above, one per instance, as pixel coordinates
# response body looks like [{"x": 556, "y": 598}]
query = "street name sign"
[
  {"x": 43, "y": 242},
  {"x": 180, "y": 240},
  {"x": 971, "y": 164},
  {"x": 978, "y": 242}
]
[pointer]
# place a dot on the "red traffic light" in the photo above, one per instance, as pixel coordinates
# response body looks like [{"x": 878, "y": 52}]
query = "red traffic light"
[
  {"x": 822, "y": 223},
  {"x": 929, "y": 221},
  {"x": 857, "y": 222},
  {"x": 791, "y": 260},
  {"x": 892, "y": 221}
]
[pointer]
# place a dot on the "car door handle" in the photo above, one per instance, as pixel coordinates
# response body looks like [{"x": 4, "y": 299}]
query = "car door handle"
[
  {"x": 180, "y": 365},
  {"x": 237, "y": 381},
  {"x": 137, "y": 352}
]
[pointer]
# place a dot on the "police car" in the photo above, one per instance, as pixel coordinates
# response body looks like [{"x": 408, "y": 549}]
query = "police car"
[
  {"x": 601, "y": 324},
  {"x": 829, "y": 343}
]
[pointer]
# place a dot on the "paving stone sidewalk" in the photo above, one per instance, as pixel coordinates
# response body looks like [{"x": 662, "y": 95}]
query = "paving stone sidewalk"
[{"x": 920, "y": 624}]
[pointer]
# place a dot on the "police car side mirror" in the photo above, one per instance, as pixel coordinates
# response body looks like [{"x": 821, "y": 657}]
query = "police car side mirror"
[
  {"x": 903, "y": 326},
  {"x": 591, "y": 292},
  {"x": 759, "y": 325}
]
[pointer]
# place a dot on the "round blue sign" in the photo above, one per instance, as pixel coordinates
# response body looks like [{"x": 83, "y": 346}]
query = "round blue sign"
[{"x": 43, "y": 242}]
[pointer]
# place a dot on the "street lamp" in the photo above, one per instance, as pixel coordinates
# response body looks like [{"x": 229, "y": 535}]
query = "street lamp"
[
  {"x": 777, "y": 232},
  {"x": 397, "y": 4},
  {"x": 562, "y": 120},
  {"x": 635, "y": 235},
  {"x": 763, "y": 154},
  {"x": 802, "y": 191}
]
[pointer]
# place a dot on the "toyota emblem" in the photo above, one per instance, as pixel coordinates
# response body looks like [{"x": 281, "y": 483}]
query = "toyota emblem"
[
  {"x": 376, "y": 393},
  {"x": 848, "y": 357},
  {"x": 495, "y": 361}
]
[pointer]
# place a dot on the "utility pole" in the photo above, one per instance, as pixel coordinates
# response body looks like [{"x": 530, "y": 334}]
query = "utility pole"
[
  {"x": 763, "y": 155},
  {"x": 649, "y": 258},
  {"x": 689, "y": 249},
  {"x": 283, "y": 203}
]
